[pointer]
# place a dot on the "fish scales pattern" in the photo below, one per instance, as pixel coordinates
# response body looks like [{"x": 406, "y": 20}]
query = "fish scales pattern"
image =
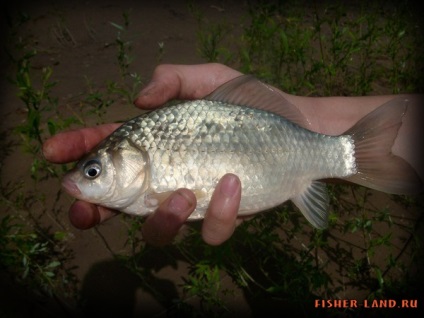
[{"x": 193, "y": 144}]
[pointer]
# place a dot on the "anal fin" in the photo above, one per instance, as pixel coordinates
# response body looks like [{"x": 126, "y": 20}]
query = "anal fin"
[{"x": 314, "y": 203}]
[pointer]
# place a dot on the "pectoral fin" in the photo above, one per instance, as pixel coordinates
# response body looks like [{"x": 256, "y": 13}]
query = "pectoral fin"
[
  {"x": 314, "y": 203},
  {"x": 157, "y": 198}
]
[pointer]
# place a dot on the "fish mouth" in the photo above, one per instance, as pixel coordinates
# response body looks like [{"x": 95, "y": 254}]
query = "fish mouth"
[{"x": 69, "y": 185}]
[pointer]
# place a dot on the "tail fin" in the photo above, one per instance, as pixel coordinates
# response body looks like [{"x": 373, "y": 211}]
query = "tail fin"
[{"x": 374, "y": 136}]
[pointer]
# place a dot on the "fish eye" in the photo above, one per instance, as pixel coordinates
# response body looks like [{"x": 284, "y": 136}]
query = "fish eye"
[{"x": 92, "y": 169}]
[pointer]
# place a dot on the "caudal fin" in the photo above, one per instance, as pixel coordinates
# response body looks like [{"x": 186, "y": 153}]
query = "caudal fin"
[{"x": 378, "y": 168}]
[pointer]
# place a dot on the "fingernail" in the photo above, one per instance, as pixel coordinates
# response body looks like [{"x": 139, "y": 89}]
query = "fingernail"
[
  {"x": 230, "y": 185},
  {"x": 179, "y": 203},
  {"x": 148, "y": 89},
  {"x": 143, "y": 97}
]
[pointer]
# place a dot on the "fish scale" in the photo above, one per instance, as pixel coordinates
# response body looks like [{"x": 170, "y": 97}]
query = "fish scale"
[{"x": 217, "y": 138}]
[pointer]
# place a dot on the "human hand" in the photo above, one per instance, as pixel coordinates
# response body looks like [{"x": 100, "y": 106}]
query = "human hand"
[{"x": 168, "y": 82}]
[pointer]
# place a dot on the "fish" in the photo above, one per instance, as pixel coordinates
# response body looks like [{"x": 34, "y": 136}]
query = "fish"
[{"x": 247, "y": 128}]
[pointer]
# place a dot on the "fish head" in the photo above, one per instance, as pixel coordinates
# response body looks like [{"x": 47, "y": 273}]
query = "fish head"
[{"x": 113, "y": 176}]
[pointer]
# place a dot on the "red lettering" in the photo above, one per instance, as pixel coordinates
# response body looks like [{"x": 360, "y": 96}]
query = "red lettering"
[
  {"x": 413, "y": 303},
  {"x": 335, "y": 303}
]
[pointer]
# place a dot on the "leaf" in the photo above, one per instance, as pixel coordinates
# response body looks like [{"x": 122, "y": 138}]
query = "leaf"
[
  {"x": 380, "y": 278},
  {"x": 284, "y": 42},
  {"x": 52, "y": 127},
  {"x": 53, "y": 264},
  {"x": 34, "y": 248},
  {"x": 24, "y": 261},
  {"x": 119, "y": 27},
  {"x": 60, "y": 236}
]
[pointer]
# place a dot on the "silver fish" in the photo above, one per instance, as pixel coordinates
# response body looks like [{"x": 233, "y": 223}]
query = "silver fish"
[{"x": 247, "y": 128}]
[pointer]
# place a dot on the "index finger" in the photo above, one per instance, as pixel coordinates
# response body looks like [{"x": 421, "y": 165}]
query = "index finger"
[
  {"x": 170, "y": 81},
  {"x": 72, "y": 145}
]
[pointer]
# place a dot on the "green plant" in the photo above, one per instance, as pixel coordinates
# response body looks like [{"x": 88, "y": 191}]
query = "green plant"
[
  {"x": 130, "y": 81},
  {"x": 35, "y": 93},
  {"x": 34, "y": 258},
  {"x": 32, "y": 254},
  {"x": 211, "y": 38},
  {"x": 99, "y": 98},
  {"x": 204, "y": 283}
]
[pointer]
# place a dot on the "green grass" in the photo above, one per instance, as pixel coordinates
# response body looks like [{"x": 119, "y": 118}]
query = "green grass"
[{"x": 275, "y": 258}]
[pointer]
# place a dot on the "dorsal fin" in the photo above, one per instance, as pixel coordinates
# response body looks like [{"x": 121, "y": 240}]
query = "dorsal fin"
[{"x": 247, "y": 90}]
